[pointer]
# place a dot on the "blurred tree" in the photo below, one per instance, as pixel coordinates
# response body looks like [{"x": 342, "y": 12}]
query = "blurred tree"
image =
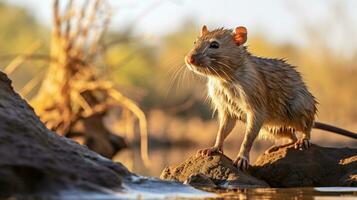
[{"x": 73, "y": 100}]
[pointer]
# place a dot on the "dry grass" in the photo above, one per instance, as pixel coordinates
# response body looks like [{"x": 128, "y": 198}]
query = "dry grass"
[{"x": 71, "y": 90}]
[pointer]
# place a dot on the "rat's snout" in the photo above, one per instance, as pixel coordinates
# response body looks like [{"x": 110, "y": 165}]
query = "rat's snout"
[{"x": 192, "y": 58}]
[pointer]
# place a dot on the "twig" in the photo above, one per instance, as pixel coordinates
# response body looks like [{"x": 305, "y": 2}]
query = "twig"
[
  {"x": 15, "y": 63},
  {"x": 28, "y": 56},
  {"x": 129, "y": 104},
  {"x": 32, "y": 83}
]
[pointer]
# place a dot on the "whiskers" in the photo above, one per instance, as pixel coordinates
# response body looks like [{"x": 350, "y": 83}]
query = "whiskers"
[
  {"x": 178, "y": 75},
  {"x": 222, "y": 70},
  {"x": 215, "y": 71}
]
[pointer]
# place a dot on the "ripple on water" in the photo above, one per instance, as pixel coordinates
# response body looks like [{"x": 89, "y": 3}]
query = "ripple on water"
[{"x": 139, "y": 187}]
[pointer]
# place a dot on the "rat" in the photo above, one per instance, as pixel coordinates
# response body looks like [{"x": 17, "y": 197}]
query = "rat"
[{"x": 268, "y": 95}]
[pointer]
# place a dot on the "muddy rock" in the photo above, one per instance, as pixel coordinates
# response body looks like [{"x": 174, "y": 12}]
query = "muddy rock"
[
  {"x": 316, "y": 166},
  {"x": 200, "y": 180},
  {"x": 34, "y": 159},
  {"x": 286, "y": 167},
  {"x": 210, "y": 171}
]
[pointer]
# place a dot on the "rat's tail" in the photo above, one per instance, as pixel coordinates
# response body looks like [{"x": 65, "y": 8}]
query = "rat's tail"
[{"x": 335, "y": 129}]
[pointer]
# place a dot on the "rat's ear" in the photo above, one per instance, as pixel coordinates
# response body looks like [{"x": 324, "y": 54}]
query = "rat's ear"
[
  {"x": 240, "y": 35},
  {"x": 204, "y": 30}
]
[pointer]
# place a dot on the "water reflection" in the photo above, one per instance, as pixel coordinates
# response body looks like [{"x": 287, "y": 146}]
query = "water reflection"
[{"x": 287, "y": 193}]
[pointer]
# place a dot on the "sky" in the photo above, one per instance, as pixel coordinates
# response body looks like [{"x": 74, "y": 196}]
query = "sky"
[{"x": 279, "y": 20}]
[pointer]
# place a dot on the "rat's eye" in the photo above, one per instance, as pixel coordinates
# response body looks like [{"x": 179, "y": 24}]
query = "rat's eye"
[{"x": 214, "y": 45}]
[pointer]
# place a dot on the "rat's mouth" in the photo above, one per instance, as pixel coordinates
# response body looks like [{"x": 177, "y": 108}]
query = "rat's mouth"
[
  {"x": 205, "y": 65},
  {"x": 202, "y": 70},
  {"x": 208, "y": 71},
  {"x": 196, "y": 68}
]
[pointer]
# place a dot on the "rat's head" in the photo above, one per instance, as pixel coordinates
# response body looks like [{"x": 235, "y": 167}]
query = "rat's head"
[{"x": 217, "y": 52}]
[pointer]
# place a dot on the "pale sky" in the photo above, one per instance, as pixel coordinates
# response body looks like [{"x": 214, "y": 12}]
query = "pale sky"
[{"x": 280, "y": 20}]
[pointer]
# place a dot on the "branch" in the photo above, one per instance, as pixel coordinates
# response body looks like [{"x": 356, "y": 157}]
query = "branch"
[
  {"x": 15, "y": 63},
  {"x": 32, "y": 83},
  {"x": 130, "y": 105}
]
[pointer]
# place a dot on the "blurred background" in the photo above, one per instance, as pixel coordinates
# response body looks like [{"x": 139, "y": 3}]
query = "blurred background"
[{"x": 104, "y": 72}]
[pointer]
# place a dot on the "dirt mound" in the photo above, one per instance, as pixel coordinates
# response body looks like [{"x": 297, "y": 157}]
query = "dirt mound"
[
  {"x": 317, "y": 166},
  {"x": 34, "y": 159},
  {"x": 212, "y": 171},
  {"x": 286, "y": 167}
]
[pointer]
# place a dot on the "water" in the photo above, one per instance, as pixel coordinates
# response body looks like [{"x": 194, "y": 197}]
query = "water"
[
  {"x": 141, "y": 188},
  {"x": 151, "y": 188},
  {"x": 293, "y": 193},
  {"x": 168, "y": 156}
]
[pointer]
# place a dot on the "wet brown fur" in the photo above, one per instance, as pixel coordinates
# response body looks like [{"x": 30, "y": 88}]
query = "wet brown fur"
[{"x": 268, "y": 95}]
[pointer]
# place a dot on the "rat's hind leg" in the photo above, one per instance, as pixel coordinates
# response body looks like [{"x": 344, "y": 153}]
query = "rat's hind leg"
[
  {"x": 304, "y": 142},
  {"x": 286, "y": 134}
]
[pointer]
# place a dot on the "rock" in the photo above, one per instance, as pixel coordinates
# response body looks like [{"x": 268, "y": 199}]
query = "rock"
[
  {"x": 316, "y": 166},
  {"x": 38, "y": 163},
  {"x": 286, "y": 167},
  {"x": 34, "y": 159},
  {"x": 208, "y": 171},
  {"x": 200, "y": 180},
  {"x": 350, "y": 179}
]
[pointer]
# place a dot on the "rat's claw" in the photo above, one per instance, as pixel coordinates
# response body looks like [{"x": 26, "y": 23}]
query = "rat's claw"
[
  {"x": 208, "y": 151},
  {"x": 241, "y": 162},
  {"x": 302, "y": 144}
]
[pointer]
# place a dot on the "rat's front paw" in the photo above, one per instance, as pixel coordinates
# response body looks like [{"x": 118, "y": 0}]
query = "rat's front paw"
[
  {"x": 302, "y": 144},
  {"x": 209, "y": 151},
  {"x": 241, "y": 162}
]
